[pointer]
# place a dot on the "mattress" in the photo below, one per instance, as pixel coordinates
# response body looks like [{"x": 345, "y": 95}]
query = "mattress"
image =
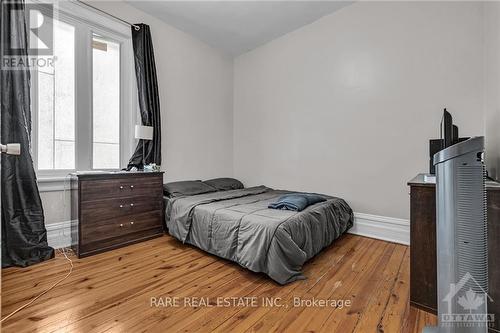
[{"x": 238, "y": 225}]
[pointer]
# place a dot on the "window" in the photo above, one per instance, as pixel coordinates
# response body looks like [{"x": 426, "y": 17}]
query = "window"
[
  {"x": 106, "y": 103},
  {"x": 56, "y": 103},
  {"x": 82, "y": 105}
]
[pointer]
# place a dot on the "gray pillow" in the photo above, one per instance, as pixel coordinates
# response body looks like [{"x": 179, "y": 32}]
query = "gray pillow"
[
  {"x": 224, "y": 184},
  {"x": 187, "y": 187}
]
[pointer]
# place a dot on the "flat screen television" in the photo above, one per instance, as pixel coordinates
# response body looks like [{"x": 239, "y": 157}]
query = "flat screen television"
[
  {"x": 449, "y": 132},
  {"x": 447, "y": 129},
  {"x": 449, "y": 137}
]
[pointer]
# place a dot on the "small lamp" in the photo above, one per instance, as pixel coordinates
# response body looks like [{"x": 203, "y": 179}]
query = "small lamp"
[
  {"x": 143, "y": 133},
  {"x": 11, "y": 149}
]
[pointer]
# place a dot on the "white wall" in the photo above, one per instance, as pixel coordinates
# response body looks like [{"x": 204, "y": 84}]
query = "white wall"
[
  {"x": 347, "y": 104},
  {"x": 57, "y": 213},
  {"x": 492, "y": 86},
  {"x": 196, "y": 90}
]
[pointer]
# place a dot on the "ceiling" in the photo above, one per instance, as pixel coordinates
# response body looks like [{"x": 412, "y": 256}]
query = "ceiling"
[{"x": 237, "y": 26}]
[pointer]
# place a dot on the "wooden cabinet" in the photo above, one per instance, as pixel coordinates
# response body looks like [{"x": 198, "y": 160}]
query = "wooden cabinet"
[
  {"x": 494, "y": 253},
  {"x": 423, "y": 286},
  {"x": 115, "y": 209},
  {"x": 423, "y": 270}
]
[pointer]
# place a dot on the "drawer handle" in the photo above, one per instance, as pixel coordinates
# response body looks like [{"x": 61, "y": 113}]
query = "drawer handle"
[
  {"x": 121, "y": 206},
  {"x": 131, "y": 186},
  {"x": 132, "y": 222},
  {"x": 131, "y": 205},
  {"x": 121, "y": 225},
  {"x": 121, "y": 187}
]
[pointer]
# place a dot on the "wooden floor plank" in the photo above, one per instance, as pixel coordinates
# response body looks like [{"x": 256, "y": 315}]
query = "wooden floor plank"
[
  {"x": 112, "y": 291},
  {"x": 360, "y": 295},
  {"x": 280, "y": 319},
  {"x": 399, "y": 303},
  {"x": 123, "y": 310},
  {"x": 371, "y": 315},
  {"x": 267, "y": 291},
  {"x": 319, "y": 266},
  {"x": 314, "y": 318}
]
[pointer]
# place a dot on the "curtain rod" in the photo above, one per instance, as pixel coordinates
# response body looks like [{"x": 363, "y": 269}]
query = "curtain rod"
[{"x": 136, "y": 27}]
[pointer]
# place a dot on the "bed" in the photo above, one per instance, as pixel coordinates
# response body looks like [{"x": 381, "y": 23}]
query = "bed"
[{"x": 237, "y": 225}]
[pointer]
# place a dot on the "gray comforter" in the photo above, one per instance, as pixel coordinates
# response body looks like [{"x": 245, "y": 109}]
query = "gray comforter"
[{"x": 237, "y": 225}]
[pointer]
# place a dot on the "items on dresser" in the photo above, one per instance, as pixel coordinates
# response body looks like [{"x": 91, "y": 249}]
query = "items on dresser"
[
  {"x": 423, "y": 274},
  {"x": 115, "y": 209}
]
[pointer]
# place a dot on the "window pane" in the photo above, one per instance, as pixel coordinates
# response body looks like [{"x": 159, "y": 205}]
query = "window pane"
[
  {"x": 65, "y": 154},
  {"x": 56, "y": 103},
  {"x": 106, "y": 103},
  {"x": 45, "y": 121},
  {"x": 108, "y": 155}
]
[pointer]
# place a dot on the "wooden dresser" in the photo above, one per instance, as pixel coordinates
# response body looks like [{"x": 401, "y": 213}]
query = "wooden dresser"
[
  {"x": 423, "y": 272},
  {"x": 115, "y": 209}
]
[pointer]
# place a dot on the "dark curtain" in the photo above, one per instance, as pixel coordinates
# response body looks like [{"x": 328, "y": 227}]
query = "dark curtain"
[
  {"x": 24, "y": 238},
  {"x": 149, "y": 101}
]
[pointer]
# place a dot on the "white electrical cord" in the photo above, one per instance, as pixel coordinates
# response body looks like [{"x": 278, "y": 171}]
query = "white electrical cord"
[{"x": 43, "y": 293}]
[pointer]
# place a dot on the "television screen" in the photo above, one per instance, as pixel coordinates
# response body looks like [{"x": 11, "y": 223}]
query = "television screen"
[{"x": 447, "y": 129}]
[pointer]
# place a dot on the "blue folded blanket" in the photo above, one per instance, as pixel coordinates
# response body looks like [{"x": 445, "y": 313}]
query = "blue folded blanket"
[{"x": 296, "y": 201}]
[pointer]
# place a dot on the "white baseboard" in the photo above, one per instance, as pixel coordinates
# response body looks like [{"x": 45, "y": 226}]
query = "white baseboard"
[
  {"x": 374, "y": 226},
  {"x": 59, "y": 234},
  {"x": 381, "y": 227}
]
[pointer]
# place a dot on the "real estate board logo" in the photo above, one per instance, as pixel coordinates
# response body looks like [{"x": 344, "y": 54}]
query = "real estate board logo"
[
  {"x": 470, "y": 300},
  {"x": 30, "y": 45}
]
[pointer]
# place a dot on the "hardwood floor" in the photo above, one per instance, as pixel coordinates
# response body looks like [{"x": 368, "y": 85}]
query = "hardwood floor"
[{"x": 113, "y": 292}]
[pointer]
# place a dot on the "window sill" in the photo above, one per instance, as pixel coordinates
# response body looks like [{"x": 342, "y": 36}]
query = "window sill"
[{"x": 52, "y": 183}]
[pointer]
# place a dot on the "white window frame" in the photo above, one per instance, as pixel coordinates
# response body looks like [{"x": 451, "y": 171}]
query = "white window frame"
[{"x": 88, "y": 22}]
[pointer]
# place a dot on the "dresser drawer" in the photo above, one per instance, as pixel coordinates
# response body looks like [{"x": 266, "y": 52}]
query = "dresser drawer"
[
  {"x": 93, "y": 211},
  {"x": 96, "y": 231},
  {"x": 115, "y": 209},
  {"x": 92, "y": 248},
  {"x": 92, "y": 190}
]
